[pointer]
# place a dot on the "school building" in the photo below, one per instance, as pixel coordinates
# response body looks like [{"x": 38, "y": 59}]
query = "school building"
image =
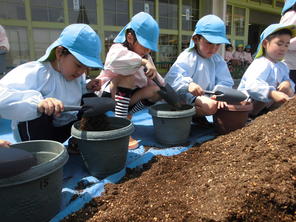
[{"x": 32, "y": 25}]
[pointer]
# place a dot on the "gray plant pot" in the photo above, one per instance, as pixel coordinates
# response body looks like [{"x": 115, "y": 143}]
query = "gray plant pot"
[
  {"x": 172, "y": 127},
  {"x": 35, "y": 194},
  {"x": 104, "y": 152}
]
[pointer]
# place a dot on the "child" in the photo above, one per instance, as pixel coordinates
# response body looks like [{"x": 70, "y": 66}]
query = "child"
[
  {"x": 267, "y": 79},
  {"x": 238, "y": 55},
  {"x": 57, "y": 78},
  {"x": 129, "y": 69},
  {"x": 248, "y": 55},
  {"x": 289, "y": 18},
  {"x": 228, "y": 53},
  {"x": 200, "y": 67}
]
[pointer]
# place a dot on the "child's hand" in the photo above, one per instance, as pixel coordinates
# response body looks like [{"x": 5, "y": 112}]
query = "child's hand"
[
  {"x": 195, "y": 89},
  {"x": 4, "y": 143},
  {"x": 51, "y": 106},
  {"x": 278, "y": 96},
  {"x": 221, "y": 104},
  {"x": 151, "y": 71},
  {"x": 285, "y": 87},
  {"x": 94, "y": 85}
]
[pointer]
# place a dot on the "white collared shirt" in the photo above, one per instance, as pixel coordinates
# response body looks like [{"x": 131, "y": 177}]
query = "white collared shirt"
[{"x": 206, "y": 72}]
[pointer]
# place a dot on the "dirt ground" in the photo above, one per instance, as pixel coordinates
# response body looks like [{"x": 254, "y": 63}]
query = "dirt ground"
[{"x": 247, "y": 175}]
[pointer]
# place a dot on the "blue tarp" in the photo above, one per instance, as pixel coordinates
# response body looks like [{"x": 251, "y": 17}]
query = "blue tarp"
[{"x": 75, "y": 171}]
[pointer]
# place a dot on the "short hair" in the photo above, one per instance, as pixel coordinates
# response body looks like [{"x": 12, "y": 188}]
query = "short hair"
[{"x": 277, "y": 33}]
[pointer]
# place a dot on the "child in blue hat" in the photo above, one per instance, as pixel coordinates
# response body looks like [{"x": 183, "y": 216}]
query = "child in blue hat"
[
  {"x": 200, "y": 67},
  {"x": 267, "y": 78},
  {"x": 289, "y": 18},
  {"x": 57, "y": 78},
  {"x": 129, "y": 69}
]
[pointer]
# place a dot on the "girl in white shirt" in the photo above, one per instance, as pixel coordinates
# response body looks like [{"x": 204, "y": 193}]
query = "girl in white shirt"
[
  {"x": 57, "y": 78},
  {"x": 129, "y": 69},
  {"x": 267, "y": 79},
  {"x": 200, "y": 67}
]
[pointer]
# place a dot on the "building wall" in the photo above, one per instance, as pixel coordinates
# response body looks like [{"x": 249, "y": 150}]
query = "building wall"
[{"x": 33, "y": 24}]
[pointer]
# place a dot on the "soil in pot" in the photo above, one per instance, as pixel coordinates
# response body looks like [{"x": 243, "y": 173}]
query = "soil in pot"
[
  {"x": 94, "y": 123},
  {"x": 246, "y": 175}
]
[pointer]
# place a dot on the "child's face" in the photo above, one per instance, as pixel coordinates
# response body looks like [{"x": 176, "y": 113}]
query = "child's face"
[
  {"x": 205, "y": 48},
  {"x": 136, "y": 46},
  {"x": 140, "y": 50},
  {"x": 240, "y": 49},
  {"x": 68, "y": 65},
  {"x": 276, "y": 48}
]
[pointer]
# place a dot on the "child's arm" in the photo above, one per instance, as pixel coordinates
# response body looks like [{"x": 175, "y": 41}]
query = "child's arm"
[
  {"x": 19, "y": 105},
  {"x": 151, "y": 71},
  {"x": 286, "y": 88},
  {"x": 278, "y": 96}
]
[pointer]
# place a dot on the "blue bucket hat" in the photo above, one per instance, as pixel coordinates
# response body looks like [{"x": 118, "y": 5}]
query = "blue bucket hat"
[
  {"x": 212, "y": 28},
  {"x": 82, "y": 42},
  {"x": 146, "y": 29},
  {"x": 288, "y": 4},
  {"x": 270, "y": 30}
]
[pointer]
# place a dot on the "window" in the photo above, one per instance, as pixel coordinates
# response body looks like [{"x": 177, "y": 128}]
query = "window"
[
  {"x": 269, "y": 2},
  {"x": 279, "y": 3},
  {"x": 108, "y": 41},
  {"x": 185, "y": 41},
  {"x": 116, "y": 12},
  {"x": 12, "y": 9},
  {"x": 43, "y": 38},
  {"x": 47, "y": 10},
  {"x": 86, "y": 14},
  {"x": 228, "y": 19},
  {"x": 19, "y": 50},
  {"x": 144, "y": 6},
  {"x": 239, "y": 21},
  {"x": 168, "y": 52},
  {"x": 189, "y": 14},
  {"x": 168, "y": 14}
]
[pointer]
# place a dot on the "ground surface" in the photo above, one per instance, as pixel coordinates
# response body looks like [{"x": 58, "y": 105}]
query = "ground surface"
[{"x": 247, "y": 175}]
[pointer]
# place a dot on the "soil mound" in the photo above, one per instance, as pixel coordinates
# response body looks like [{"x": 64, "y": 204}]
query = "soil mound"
[{"x": 247, "y": 175}]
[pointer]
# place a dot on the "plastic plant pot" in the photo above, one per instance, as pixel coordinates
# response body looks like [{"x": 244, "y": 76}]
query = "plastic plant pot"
[
  {"x": 104, "y": 152},
  {"x": 35, "y": 194},
  {"x": 171, "y": 127},
  {"x": 232, "y": 117}
]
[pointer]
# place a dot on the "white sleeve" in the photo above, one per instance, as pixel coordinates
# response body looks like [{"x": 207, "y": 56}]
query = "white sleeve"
[
  {"x": 180, "y": 75},
  {"x": 256, "y": 81},
  {"x": 122, "y": 61},
  {"x": 20, "y": 91},
  {"x": 19, "y": 105}
]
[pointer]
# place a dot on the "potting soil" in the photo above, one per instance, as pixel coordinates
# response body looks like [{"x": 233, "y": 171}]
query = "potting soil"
[{"x": 246, "y": 175}]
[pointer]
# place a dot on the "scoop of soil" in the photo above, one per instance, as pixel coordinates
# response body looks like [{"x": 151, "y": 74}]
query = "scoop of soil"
[{"x": 94, "y": 123}]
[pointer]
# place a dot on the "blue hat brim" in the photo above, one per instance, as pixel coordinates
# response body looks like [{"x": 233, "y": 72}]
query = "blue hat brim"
[
  {"x": 85, "y": 60},
  {"x": 211, "y": 39}
]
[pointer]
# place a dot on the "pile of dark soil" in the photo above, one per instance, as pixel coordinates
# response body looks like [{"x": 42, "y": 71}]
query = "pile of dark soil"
[{"x": 247, "y": 175}]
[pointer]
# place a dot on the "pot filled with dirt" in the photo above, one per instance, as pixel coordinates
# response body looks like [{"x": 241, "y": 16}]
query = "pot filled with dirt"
[
  {"x": 103, "y": 143},
  {"x": 35, "y": 194},
  {"x": 232, "y": 117},
  {"x": 172, "y": 126}
]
